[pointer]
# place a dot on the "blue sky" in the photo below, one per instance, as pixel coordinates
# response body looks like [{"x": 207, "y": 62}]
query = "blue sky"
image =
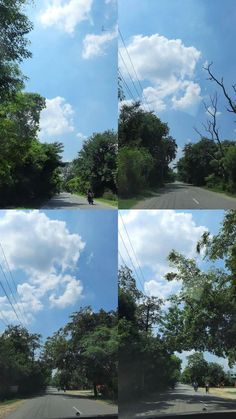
[
  {"x": 154, "y": 234},
  {"x": 74, "y": 66},
  {"x": 60, "y": 261},
  {"x": 175, "y": 72}
]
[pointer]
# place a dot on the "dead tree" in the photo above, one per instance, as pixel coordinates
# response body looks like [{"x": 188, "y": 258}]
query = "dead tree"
[{"x": 231, "y": 102}]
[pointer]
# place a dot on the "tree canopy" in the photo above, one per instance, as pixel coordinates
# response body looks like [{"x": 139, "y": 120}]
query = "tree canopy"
[{"x": 145, "y": 150}]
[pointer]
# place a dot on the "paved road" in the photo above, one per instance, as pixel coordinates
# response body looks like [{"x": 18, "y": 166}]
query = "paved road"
[
  {"x": 182, "y": 196},
  {"x": 69, "y": 201},
  {"x": 56, "y": 405},
  {"x": 183, "y": 399}
]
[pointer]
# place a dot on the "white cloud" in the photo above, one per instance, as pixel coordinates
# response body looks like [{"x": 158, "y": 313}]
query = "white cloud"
[
  {"x": 44, "y": 251},
  {"x": 95, "y": 45},
  {"x": 169, "y": 66},
  {"x": 153, "y": 235},
  {"x": 72, "y": 292},
  {"x": 191, "y": 96},
  {"x": 66, "y": 14},
  {"x": 57, "y": 118}
]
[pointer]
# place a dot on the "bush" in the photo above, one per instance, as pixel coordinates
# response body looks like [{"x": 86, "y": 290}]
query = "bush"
[
  {"x": 134, "y": 166},
  {"x": 108, "y": 194}
]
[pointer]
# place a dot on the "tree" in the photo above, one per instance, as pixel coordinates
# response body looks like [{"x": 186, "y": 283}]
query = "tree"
[
  {"x": 18, "y": 363},
  {"x": 145, "y": 150},
  {"x": 145, "y": 362},
  {"x": 14, "y": 26},
  {"x": 200, "y": 371},
  {"x": 202, "y": 315},
  {"x": 28, "y": 168},
  {"x": 84, "y": 352},
  {"x": 96, "y": 165}
]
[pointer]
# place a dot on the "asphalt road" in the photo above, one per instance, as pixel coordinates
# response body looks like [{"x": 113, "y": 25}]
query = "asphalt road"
[
  {"x": 66, "y": 200},
  {"x": 56, "y": 405},
  {"x": 182, "y": 196},
  {"x": 182, "y": 399}
]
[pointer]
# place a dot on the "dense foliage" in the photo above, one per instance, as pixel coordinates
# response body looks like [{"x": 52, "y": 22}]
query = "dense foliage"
[
  {"x": 19, "y": 366},
  {"x": 200, "y": 371},
  {"x": 202, "y": 315},
  {"x": 146, "y": 363},
  {"x": 145, "y": 150},
  {"x": 85, "y": 352},
  {"x": 29, "y": 169},
  {"x": 203, "y": 163},
  {"x": 95, "y": 168}
]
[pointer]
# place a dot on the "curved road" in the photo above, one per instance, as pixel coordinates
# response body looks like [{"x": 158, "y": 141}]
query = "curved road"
[
  {"x": 66, "y": 200},
  {"x": 182, "y": 399},
  {"x": 182, "y": 196},
  {"x": 56, "y": 405}
]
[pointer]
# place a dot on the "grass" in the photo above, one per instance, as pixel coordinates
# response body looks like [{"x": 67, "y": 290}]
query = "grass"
[
  {"x": 113, "y": 203},
  {"x": 8, "y": 406},
  {"x": 219, "y": 190},
  {"x": 128, "y": 203},
  {"x": 132, "y": 201},
  {"x": 226, "y": 392}
]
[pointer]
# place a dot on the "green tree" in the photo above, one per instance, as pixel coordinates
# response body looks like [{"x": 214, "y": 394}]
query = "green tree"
[{"x": 14, "y": 27}]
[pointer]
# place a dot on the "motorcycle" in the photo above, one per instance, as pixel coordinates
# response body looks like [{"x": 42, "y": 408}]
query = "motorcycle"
[{"x": 90, "y": 199}]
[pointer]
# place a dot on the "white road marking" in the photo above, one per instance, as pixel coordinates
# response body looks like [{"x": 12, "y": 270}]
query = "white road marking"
[
  {"x": 77, "y": 410},
  {"x": 195, "y": 201}
]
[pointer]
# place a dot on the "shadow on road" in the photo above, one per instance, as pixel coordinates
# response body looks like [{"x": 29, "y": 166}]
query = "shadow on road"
[{"x": 166, "y": 401}]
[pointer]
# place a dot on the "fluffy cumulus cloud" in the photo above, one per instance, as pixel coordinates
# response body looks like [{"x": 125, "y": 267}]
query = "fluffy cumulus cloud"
[
  {"x": 154, "y": 234},
  {"x": 44, "y": 251},
  {"x": 95, "y": 45},
  {"x": 66, "y": 14},
  {"x": 169, "y": 66},
  {"x": 57, "y": 118}
]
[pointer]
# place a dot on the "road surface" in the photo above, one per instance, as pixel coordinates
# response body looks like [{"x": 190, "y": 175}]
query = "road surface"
[
  {"x": 68, "y": 201},
  {"x": 182, "y": 196},
  {"x": 182, "y": 399},
  {"x": 56, "y": 405}
]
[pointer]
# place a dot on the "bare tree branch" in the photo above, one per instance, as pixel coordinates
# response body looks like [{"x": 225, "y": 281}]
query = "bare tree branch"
[{"x": 232, "y": 104}]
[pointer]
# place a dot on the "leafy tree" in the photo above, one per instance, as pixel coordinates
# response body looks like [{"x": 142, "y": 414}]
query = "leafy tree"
[
  {"x": 145, "y": 362},
  {"x": 84, "y": 352},
  {"x": 202, "y": 316},
  {"x": 14, "y": 27},
  {"x": 96, "y": 166},
  {"x": 145, "y": 150},
  {"x": 19, "y": 364},
  {"x": 28, "y": 168}
]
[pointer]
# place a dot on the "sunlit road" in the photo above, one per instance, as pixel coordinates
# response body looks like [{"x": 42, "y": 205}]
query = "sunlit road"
[
  {"x": 68, "y": 201},
  {"x": 182, "y": 196},
  {"x": 56, "y": 405},
  {"x": 182, "y": 399}
]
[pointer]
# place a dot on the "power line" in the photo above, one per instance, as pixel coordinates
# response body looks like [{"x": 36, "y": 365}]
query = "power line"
[
  {"x": 131, "y": 261},
  {"x": 123, "y": 261},
  {"x": 135, "y": 72},
  {"x": 132, "y": 247},
  {"x": 126, "y": 85},
  {"x": 11, "y": 292},
  {"x": 123, "y": 61},
  {"x": 23, "y": 314}
]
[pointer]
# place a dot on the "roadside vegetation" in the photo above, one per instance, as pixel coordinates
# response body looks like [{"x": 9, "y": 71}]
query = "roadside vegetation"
[
  {"x": 146, "y": 150},
  {"x": 199, "y": 318},
  {"x": 29, "y": 169},
  {"x": 95, "y": 168},
  {"x": 32, "y": 171},
  {"x": 81, "y": 355},
  {"x": 211, "y": 161}
]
